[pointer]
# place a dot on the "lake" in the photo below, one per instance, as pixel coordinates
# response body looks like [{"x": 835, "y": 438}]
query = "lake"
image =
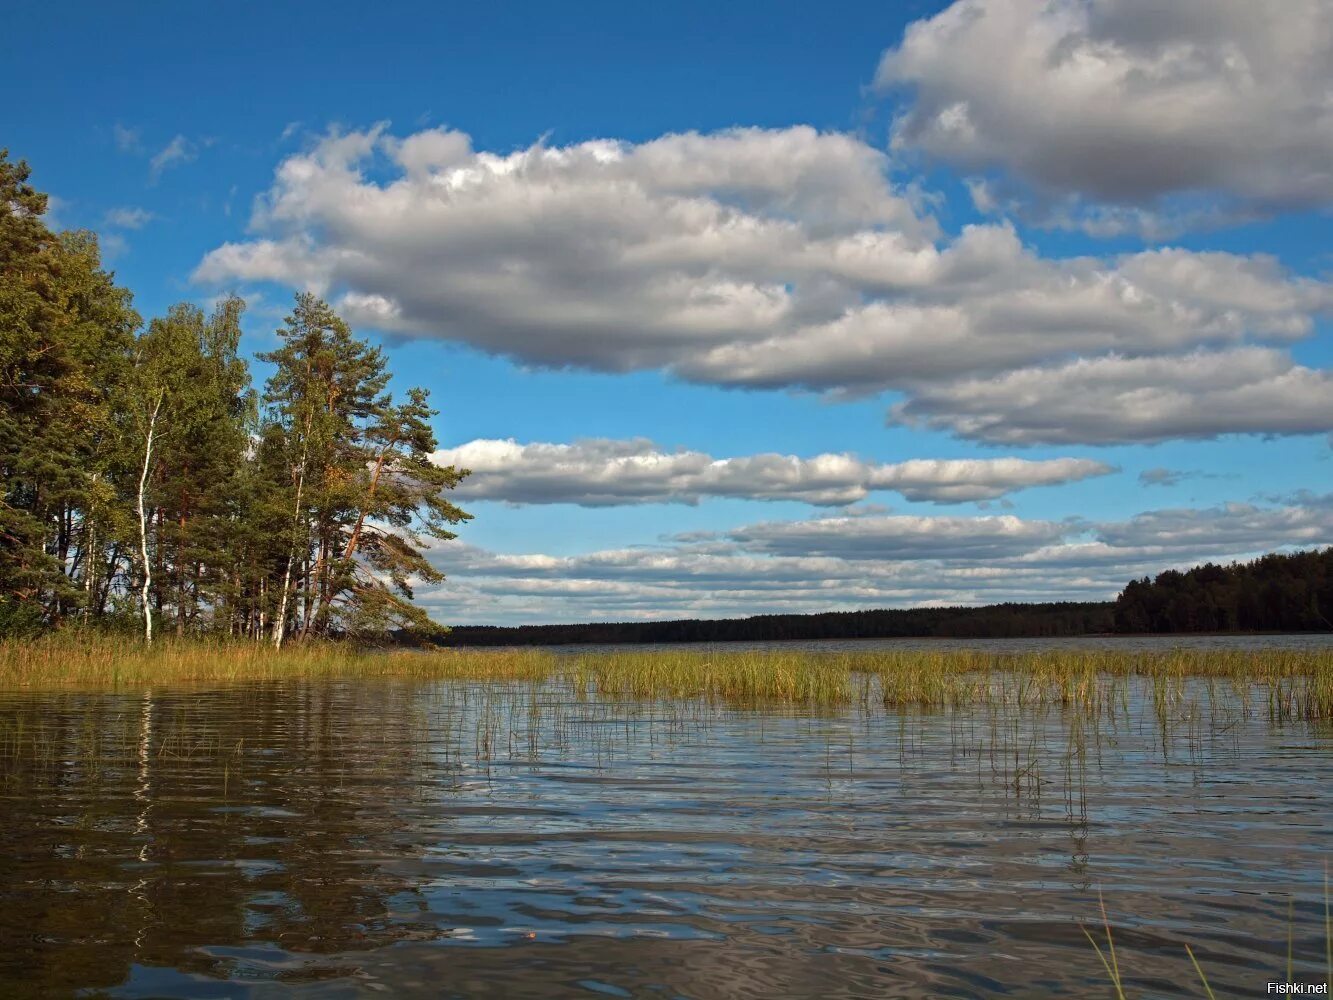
[{"x": 395, "y": 838}]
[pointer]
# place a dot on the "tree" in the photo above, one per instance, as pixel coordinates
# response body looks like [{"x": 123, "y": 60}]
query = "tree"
[
  {"x": 65, "y": 331},
  {"x": 140, "y": 481},
  {"x": 363, "y": 488},
  {"x": 191, "y": 360},
  {"x": 1276, "y": 592},
  {"x": 401, "y": 499}
]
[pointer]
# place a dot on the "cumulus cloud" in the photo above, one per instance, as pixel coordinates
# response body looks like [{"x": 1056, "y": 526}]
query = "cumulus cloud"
[
  {"x": 689, "y": 580},
  {"x": 1161, "y": 476},
  {"x": 761, "y": 258},
  {"x": 1116, "y": 399},
  {"x": 842, "y": 563},
  {"x": 601, "y": 472},
  {"x": 1194, "y": 107}
]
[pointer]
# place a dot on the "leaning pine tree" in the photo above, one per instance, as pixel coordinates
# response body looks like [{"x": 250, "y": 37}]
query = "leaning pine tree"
[{"x": 361, "y": 489}]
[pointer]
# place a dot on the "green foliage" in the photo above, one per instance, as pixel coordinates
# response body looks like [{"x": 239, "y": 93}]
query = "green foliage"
[
  {"x": 20, "y": 619},
  {"x": 1290, "y": 592},
  {"x": 143, "y": 476},
  {"x": 364, "y": 493},
  {"x": 65, "y": 335}
]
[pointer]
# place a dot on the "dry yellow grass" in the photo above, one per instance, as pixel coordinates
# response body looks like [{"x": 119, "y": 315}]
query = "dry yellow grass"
[
  {"x": 1297, "y": 684},
  {"x": 90, "y": 661}
]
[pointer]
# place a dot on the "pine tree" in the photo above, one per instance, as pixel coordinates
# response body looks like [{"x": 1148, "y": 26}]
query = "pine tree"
[
  {"x": 363, "y": 490},
  {"x": 65, "y": 329}
]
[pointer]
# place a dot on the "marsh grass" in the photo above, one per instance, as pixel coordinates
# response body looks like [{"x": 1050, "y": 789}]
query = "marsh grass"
[
  {"x": 1296, "y": 685},
  {"x": 1111, "y": 964},
  {"x": 99, "y": 662}
]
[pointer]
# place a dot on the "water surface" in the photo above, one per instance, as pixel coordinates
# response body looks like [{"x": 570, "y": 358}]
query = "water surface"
[{"x": 435, "y": 839}]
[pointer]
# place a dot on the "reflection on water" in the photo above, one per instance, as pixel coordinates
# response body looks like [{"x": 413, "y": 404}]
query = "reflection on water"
[{"x": 349, "y": 839}]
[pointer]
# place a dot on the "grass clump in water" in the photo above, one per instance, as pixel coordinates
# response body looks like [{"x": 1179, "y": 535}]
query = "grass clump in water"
[{"x": 1298, "y": 684}]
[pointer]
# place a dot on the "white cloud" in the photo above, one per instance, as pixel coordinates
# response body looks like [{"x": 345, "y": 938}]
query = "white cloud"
[
  {"x": 1234, "y": 527},
  {"x": 178, "y": 151},
  {"x": 601, "y": 472},
  {"x": 1195, "y": 108},
  {"x": 762, "y": 258},
  {"x": 846, "y": 563},
  {"x": 902, "y": 537},
  {"x": 128, "y": 218},
  {"x": 1114, "y": 399}
]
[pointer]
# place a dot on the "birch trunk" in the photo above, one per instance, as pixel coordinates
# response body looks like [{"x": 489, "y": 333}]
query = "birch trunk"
[
  {"x": 280, "y": 625},
  {"x": 143, "y": 522},
  {"x": 89, "y": 571}
]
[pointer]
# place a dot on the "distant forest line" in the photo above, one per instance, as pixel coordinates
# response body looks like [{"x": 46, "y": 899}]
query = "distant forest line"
[{"x": 1289, "y": 592}]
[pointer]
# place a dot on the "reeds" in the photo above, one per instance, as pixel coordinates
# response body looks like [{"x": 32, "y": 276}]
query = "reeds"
[
  {"x": 1297, "y": 684},
  {"x": 1111, "y": 964},
  {"x": 92, "y": 661}
]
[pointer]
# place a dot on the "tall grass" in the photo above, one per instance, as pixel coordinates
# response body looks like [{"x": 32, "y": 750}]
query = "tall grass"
[
  {"x": 1298, "y": 684},
  {"x": 92, "y": 661}
]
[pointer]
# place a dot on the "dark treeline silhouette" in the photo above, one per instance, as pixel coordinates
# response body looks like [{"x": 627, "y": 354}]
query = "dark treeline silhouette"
[
  {"x": 1275, "y": 593},
  {"x": 993, "y": 621}
]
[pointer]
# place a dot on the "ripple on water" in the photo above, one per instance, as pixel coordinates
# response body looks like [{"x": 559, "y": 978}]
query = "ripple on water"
[{"x": 435, "y": 839}]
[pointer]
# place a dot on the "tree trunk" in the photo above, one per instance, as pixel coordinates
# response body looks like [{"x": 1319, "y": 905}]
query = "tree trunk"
[
  {"x": 352, "y": 542},
  {"x": 143, "y": 522},
  {"x": 280, "y": 625},
  {"x": 89, "y": 572},
  {"x": 180, "y": 571}
]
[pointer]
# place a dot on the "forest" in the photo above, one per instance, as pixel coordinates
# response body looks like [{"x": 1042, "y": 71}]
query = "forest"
[
  {"x": 1276, "y": 593},
  {"x": 148, "y": 486},
  {"x": 1281, "y": 592},
  {"x": 992, "y": 621}
]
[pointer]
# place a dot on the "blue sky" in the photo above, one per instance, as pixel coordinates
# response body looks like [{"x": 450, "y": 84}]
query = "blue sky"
[{"x": 1068, "y": 262}]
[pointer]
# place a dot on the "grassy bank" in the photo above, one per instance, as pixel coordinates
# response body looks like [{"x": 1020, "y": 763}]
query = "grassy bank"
[{"x": 1297, "y": 684}]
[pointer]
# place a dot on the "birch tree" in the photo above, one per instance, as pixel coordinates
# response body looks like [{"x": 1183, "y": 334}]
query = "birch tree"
[{"x": 149, "y": 438}]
